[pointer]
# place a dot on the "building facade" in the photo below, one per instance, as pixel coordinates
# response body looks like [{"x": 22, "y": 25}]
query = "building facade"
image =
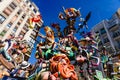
[
  {"x": 109, "y": 31},
  {"x": 14, "y": 19}
]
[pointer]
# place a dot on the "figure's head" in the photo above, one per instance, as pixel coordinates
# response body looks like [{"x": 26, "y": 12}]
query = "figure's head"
[
  {"x": 72, "y": 12},
  {"x": 47, "y": 28},
  {"x": 25, "y": 65},
  {"x": 56, "y": 26}
]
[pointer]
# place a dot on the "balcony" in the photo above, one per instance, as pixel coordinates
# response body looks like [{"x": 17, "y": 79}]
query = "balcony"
[
  {"x": 113, "y": 25},
  {"x": 35, "y": 30},
  {"x": 117, "y": 48},
  {"x": 102, "y": 31},
  {"x": 110, "y": 49},
  {"x": 100, "y": 43},
  {"x": 116, "y": 35},
  {"x": 33, "y": 37},
  {"x": 33, "y": 34},
  {"x": 25, "y": 28},
  {"x": 106, "y": 42},
  {"x": 22, "y": 33},
  {"x": 37, "y": 27}
]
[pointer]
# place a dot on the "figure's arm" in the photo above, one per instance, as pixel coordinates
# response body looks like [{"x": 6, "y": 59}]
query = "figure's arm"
[
  {"x": 41, "y": 35},
  {"x": 2, "y": 45}
]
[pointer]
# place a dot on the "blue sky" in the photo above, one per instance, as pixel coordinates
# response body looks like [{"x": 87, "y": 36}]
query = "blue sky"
[{"x": 101, "y": 9}]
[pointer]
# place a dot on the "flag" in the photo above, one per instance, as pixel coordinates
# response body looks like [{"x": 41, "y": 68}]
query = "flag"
[{"x": 36, "y": 18}]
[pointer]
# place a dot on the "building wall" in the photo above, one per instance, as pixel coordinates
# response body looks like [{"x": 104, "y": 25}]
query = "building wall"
[{"x": 109, "y": 31}]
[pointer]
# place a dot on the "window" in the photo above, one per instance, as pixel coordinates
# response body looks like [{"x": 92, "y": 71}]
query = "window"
[
  {"x": 9, "y": 24},
  {"x": 30, "y": 5},
  {"x": 18, "y": 23},
  {"x": 32, "y": 15},
  {"x": 23, "y": 6},
  {"x": 22, "y": 33},
  {"x": 27, "y": 10},
  {"x": 27, "y": 1},
  {"x": 18, "y": 1},
  {"x": 25, "y": 28},
  {"x": 7, "y": 11},
  {"x": 3, "y": 33},
  {"x": 23, "y": 16},
  {"x": 2, "y": 19},
  {"x": 32, "y": 40},
  {"x": 106, "y": 40},
  {"x": 118, "y": 43},
  {"x": 19, "y": 12},
  {"x": 102, "y": 31},
  {"x": 14, "y": 18},
  {"x": 15, "y": 29},
  {"x": 116, "y": 34},
  {"x": 28, "y": 21},
  {"x": 35, "y": 10},
  {"x": 97, "y": 32},
  {"x": 13, "y": 5},
  {"x": 100, "y": 43}
]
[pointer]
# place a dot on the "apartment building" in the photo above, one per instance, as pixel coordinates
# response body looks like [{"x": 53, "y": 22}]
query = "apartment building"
[
  {"x": 14, "y": 19},
  {"x": 109, "y": 31}
]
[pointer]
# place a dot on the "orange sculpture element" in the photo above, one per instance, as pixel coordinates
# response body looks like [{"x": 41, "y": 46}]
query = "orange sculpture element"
[
  {"x": 72, "y": 12},
  {"x": 61, "y": 64},
  {"x": 24, "y": 50}
]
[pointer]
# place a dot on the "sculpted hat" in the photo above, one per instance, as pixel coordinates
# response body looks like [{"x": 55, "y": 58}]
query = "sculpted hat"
[{"x": 25, "y": 64}]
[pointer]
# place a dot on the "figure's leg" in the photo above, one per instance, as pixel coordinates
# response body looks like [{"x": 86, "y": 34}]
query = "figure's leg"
[{"x": 6, "y": 55}]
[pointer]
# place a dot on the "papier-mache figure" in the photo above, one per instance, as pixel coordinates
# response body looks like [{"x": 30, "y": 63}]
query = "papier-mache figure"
[
  {"x": 104, "y": 56},
  {"x": 47, "y": 46},
  {"x": 49, "y": 35},
  {"x": 58, "y": 32},
  {"x": 69, "y": 13},
  {"x": 49, "y": 38},
  {"x": 5, "y": 45}
]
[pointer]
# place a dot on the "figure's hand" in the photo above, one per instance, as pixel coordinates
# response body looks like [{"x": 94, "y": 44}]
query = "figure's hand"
[{"x": 42, "y": 36}]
